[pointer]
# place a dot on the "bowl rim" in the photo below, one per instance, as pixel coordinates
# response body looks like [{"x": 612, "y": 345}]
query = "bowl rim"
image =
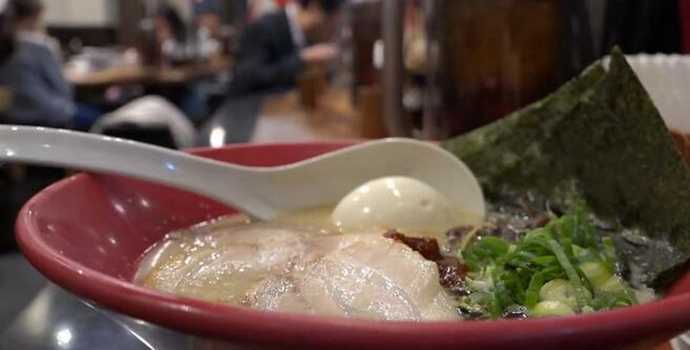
[{"x": 667, "y": 316}]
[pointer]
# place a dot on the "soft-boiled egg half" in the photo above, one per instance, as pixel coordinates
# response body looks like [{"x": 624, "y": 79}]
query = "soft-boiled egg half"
[{"x": 400, "y": 203}]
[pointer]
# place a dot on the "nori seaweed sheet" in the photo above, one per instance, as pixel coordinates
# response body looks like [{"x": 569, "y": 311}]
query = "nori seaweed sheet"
[{"x": 600, "y": 139}]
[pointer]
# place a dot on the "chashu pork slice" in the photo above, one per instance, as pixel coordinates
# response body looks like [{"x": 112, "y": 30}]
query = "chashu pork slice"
[{"x": 365, "y": 276}]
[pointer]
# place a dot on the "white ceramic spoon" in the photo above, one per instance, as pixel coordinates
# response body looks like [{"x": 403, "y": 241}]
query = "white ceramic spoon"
[{"x": 262, "y": 192}]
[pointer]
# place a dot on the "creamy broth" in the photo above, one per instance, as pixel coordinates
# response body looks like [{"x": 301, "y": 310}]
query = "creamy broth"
[{"x": 320, "y": 219}]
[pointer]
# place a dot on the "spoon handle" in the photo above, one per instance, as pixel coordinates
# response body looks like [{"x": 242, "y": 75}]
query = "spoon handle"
[{"x": 103, "y": 154}]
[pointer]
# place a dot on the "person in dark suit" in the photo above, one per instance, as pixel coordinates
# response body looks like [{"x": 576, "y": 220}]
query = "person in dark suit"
[{"x": 276, "y": 48}]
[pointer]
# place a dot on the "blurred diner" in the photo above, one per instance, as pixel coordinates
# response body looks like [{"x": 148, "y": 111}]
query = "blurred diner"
[{"x": 170, "y": 33}]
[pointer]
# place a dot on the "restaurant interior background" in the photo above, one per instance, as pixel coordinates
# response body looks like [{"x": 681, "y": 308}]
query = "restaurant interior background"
[{"x": 422, "y": 68}]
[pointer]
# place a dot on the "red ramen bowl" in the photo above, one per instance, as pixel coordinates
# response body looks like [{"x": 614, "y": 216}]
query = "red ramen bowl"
[{"x": 86, "y": 234}]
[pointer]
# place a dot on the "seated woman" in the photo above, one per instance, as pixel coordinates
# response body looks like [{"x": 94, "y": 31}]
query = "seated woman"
[
  {"x": 33, "y": 74},
  {"x": 171, "y": 37}
]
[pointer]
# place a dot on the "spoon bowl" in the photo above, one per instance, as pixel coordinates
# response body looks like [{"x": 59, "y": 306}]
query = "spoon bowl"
[{"x": 261, "y": 192}]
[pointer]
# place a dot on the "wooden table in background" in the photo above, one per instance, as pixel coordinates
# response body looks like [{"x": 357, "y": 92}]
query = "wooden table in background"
[{"x": 124, "y": 75}]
